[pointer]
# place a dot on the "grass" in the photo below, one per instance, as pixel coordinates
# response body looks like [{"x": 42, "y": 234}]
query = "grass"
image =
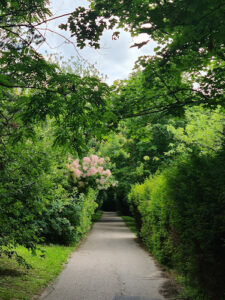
[
  {"x": 16, "y": 282},
  {"x": 130, "y": 222}
]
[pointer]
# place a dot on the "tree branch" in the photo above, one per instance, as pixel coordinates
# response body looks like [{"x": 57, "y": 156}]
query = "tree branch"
[
  {"x": 160, "y": 109},
  {"x": 54, "y": 18},
  {"x": 26, "y": 87},
  {"x": 65, "y": 38}
]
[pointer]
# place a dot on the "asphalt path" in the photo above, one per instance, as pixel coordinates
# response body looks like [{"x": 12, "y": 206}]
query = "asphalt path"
[{"x": 109, "y": 265}]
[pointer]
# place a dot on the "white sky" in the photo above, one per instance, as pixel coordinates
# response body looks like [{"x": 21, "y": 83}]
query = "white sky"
[{"x": 115, "y": 58}]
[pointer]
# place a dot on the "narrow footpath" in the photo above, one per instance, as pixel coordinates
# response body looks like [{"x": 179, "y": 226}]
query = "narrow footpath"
[{"x": 108, "y": 265}]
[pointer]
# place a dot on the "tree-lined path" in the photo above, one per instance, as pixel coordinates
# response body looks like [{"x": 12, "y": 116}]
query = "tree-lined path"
[{"x": 109, "y": 264}]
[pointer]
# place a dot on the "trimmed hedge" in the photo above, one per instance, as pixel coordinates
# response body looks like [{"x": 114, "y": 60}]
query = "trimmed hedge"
[{"x": 181, "y": 216}]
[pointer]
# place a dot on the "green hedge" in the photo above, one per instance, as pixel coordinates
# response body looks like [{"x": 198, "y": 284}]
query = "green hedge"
[{"x": 181, "y": 214}]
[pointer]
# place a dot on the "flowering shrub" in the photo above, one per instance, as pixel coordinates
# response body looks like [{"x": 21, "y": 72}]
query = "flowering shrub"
[{"x": 91, "y": 171}]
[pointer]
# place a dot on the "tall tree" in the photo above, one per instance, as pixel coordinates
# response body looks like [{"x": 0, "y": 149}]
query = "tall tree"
[{"x": 77, "y": 103}]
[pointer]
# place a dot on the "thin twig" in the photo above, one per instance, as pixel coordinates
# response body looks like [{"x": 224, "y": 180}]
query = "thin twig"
[{"x": 65, "y": 38}]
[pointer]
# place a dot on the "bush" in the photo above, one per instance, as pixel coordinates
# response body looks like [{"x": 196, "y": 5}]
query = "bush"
[
  {"x": 66, "y": 220},
  {"x": 24, "y": 182},
  {"x": 37, "y": 201},
  {"x": 182, "y": 212}
]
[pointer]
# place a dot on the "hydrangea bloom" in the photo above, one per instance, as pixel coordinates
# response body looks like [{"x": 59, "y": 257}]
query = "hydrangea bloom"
[
  {"x": 101, "y": 160},
  {"x": 75, "y": 163},
  {"x": 77, "y": 173},
  {"x": 100, "y": 170},
  {"x": 91, "y": 171},
  {"x": 86, "y": 160}
]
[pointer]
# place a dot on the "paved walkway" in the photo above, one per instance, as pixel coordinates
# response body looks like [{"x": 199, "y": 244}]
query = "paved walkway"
[{"x": 108, "y": 265}]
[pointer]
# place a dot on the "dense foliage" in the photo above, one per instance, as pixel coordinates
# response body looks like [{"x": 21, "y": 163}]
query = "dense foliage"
[
  {"x": 47, "y": 111},
  {"x": 191, "y": 45},
  {"x": 181, "y": 218},
  {"x": 39, "y": 203},
  {"x": 179, "y": 209},
  {"x": 65, "y": 222},
  {"x": 162, "y": 129}
]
